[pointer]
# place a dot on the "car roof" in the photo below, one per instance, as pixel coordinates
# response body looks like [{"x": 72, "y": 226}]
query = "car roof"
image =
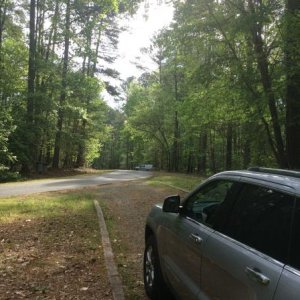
[{"x": 284, "y": 179}]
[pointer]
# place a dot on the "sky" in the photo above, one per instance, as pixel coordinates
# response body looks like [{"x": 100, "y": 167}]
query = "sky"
[{"x": 149, "y": 19}]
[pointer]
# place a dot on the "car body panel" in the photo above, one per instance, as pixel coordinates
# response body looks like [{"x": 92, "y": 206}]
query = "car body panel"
[
  {"x": 184, "y": 236},
  {"x": 288, "y": 287},
  {"x": 224, "y": 273}
]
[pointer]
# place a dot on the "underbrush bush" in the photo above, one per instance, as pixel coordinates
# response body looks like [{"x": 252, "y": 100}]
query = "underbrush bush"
[{"x": 6, "y": 175}]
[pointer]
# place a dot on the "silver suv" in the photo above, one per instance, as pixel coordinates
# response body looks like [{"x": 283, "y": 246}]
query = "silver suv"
[{"x": 235, "y": 237}]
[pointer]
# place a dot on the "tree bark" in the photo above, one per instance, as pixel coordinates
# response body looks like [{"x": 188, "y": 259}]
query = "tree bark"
[
  {"x": 176, "y": 137},
  {"x": 96, "y": 52},
  {"x": 31, "y": 62},
  {"x": 3, "y": 15},
  {"x": 292, "y": 54},
  {"x": 213, "y": 165},
  {"x": 29, "y": 139},
  {"x": 175, "y": 154},
  {"x": 57, "y": 147},
  {"x": 228, "y": 165},
  {"x": 203, "y": 150},
  {"x": 3, "y": 11}
]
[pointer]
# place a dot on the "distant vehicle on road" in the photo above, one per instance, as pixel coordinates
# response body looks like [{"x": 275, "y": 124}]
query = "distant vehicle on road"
[
  {"x": 235, "y": 237},
  {"x": 144, "y": 167}
]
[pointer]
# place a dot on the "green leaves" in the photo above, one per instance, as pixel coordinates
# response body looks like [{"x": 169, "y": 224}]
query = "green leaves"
[{"x": 221, "y": 86}]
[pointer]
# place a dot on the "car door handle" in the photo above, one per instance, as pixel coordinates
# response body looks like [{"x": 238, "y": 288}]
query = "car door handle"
[
  {"x": 196, "y": 238},
  {"x": 256, "y": 275}
]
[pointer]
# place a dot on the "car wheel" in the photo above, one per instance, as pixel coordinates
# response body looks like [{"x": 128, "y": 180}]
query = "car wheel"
[{"x": 155, "y": 286}]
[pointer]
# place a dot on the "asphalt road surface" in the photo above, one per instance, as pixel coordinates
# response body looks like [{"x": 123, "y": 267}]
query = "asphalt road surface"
[{"x": 75, "y": 182}]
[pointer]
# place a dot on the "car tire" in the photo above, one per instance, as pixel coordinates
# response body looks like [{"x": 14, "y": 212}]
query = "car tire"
[{"x": 154, "y": 283}]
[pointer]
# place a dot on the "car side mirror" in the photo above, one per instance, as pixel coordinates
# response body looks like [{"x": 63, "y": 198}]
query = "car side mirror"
[{"x": 172, "y": 204}]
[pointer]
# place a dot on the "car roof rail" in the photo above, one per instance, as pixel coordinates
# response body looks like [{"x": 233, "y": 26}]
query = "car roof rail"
[{"x": 284, "y": 172}]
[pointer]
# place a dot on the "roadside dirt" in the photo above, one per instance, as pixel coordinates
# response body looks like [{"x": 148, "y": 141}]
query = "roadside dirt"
[
  {"x": 125, "y": 209},
  {"x": 53, "y": 258}
]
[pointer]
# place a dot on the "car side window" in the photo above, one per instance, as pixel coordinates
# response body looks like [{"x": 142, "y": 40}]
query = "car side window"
[
  {"x": 261, "y": 218},
  {"x": 204, "y": 204}
]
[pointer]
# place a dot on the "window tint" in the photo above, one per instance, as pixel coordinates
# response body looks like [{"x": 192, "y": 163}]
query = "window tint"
[
  {"x": 295, "y": 248},
  {"x": 261, "y": 218},
  {"x": 204, "y": 204}
]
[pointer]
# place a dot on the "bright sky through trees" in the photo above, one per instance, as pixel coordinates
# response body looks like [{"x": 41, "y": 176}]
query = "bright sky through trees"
[
  {"x": 151, "y": 16},
  {"x": 148, "y": 20}
]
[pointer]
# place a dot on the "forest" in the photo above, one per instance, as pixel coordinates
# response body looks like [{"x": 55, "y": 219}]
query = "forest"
[{"x": 225, "y": 93}]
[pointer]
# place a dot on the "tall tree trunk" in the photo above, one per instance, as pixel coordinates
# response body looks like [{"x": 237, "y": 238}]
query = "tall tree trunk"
[
  {"x": 202, "y": 151},
  {"x": 228, "y": 165},
  {"x": 176, "y": 137},
  {"x": 246, "y": 153},
  {"x": 95, "y": 60},
  {"x": 62, "y": 99},
  {"x": 213, "y": 165},
  {"x": 175, "y": 154},
  {"x": 3, "y": 11},
  {"x": 31, "y": 63},
  {"x": 53, "y": 32},
  {"x": 26, "y": 165},
  {"x": 80, "y": 161},
  {"x": 190, "y": 159},
  {"x": 190, "y": 165},
  {"x": 292, "y": 54},
  {"x": 86, "y": 68},
  {"x": 263, "y": 67}
]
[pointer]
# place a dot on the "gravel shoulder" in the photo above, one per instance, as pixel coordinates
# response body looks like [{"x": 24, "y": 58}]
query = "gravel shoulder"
[{"x": 125, "y": 208}]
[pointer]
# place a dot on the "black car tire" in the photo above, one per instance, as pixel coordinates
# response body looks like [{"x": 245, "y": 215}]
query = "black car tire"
[{"x": 154, "y": 283}]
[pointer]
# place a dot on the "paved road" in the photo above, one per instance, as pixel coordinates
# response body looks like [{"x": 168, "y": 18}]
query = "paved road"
[{"x": 75, "y": 182}]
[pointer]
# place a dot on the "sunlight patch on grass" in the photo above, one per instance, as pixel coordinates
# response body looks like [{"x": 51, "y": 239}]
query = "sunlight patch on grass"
[
  {"x": 183, "y": 181},
  {"x": 43, "y": 205}
]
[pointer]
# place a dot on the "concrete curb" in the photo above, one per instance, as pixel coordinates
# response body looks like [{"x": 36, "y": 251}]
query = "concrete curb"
[{"x": 112, "y": 270}]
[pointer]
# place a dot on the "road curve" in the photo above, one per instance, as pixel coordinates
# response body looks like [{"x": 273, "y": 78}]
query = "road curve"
[{"x": 74, "y": 182}]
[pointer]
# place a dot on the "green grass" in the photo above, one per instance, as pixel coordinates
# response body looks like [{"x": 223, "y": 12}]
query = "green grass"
[
  {"x": 183, "y": 181},
  {"x": 44, "y": 206},
  {"x": 65, "y": 212},
  {"x": 121, "y": 253}
]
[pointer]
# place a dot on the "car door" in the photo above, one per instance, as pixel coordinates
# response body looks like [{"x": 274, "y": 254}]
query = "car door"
[
  {"x": 245, "y": 256},
  {"x": 184, "y": 236}
]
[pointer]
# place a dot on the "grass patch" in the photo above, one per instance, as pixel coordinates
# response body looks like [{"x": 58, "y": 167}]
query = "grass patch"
[
  {"x": 122, "y": 254},
  {"x": 50, "y": 247},
  {"x": 43, "y": 206},
  {"x": 182, "y": 181}
]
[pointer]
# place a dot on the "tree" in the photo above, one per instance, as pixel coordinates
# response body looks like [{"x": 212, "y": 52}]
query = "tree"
[
  {"x": 292, "y": 62},
  {"x": 62, "y": 97}
]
